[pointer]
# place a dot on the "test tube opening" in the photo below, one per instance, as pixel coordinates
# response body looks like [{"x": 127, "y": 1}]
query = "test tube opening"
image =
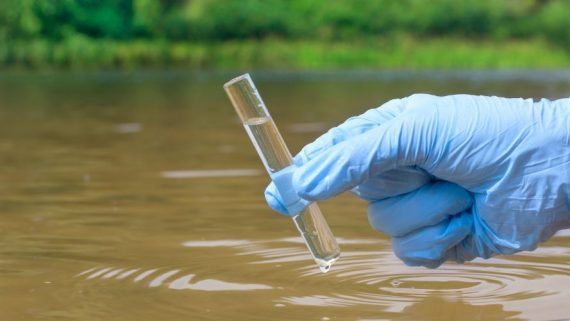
[
  {"x": 246, "y": 99},
  {"x": 237, "y": 79}
]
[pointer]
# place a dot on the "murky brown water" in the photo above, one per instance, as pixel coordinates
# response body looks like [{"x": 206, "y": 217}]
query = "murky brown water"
[{"x": 139, "y": 197}]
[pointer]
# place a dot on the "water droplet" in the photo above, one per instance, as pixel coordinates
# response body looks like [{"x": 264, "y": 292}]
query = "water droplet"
[{"x": 325, "y": 268}]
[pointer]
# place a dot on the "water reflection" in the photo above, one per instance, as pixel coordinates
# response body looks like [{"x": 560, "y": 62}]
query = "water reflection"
[
  {"x": 455, "y": 309},
  {"x": 313, "y": 127},
  {"x": 183, "y": 283},
  {"x": 216, "y": 243},
  {"x": 167, "y": 278},
  {"x": 128, "y": 128},
  {"x": 178, "y": 174}
]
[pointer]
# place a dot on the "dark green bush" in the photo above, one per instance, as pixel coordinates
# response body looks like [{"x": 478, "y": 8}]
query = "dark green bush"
[
  {"x": 89, "y": 24},
  {"x": 217, "y": 20}
]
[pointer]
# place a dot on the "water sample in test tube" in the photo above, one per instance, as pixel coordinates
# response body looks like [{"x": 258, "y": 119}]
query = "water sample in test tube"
[{"x": 279, "y": 164}]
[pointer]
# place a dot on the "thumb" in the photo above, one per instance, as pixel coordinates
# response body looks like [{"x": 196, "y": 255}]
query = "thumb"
[
  {"x": 352, "y": 127},
  {"x": 402, "y": 141},
  {"x": 273, "y": 199}
]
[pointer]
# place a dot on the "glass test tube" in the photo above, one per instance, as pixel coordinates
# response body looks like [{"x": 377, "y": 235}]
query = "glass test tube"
[{"x": 276, "y": 156}]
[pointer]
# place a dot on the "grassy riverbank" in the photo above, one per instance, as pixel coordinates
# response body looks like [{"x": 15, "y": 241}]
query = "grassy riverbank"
[{"x": 405, "y": 52}]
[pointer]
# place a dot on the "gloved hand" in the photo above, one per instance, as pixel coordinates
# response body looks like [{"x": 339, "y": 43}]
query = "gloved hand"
[{"x": 449, "y": 178}]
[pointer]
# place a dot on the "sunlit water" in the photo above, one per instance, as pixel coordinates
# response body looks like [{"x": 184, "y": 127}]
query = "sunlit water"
[{"x": 139, "y": 197}]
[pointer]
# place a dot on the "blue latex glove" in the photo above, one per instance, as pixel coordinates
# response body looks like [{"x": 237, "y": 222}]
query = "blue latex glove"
[{"x": 414, "y": 159}]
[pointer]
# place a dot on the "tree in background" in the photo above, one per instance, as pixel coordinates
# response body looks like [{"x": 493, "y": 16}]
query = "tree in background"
[{"x": 39, "y": 25}]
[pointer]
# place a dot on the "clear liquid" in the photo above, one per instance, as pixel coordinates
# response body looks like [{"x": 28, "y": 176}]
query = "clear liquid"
[
  {"x": 318, "y": 237},
  {"x": 310, "y": 223},
  {"x": 268, "y": 143}
]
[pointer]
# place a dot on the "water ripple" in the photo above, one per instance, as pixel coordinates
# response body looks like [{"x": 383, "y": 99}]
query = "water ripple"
[
  {"x": 367, "y": 275},
  {"x": 172, "y": 279},
  {"x": 379, "y": 279}
]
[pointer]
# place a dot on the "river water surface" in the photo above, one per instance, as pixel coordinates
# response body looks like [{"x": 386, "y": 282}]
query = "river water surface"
[{"x": 139, "y": 197}]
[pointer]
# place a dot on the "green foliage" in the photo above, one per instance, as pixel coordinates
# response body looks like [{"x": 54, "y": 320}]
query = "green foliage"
[
  {"x": 98, "y": 32},
  {"x": 215, "y": 20},
  {"x": 146, "y": 17},
  {"x": 81, "y": 52},
  {"x": 554, "y": 21}
]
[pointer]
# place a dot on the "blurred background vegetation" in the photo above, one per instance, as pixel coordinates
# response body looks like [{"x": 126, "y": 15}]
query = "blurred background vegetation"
[{"x": 284, "y": 34}]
